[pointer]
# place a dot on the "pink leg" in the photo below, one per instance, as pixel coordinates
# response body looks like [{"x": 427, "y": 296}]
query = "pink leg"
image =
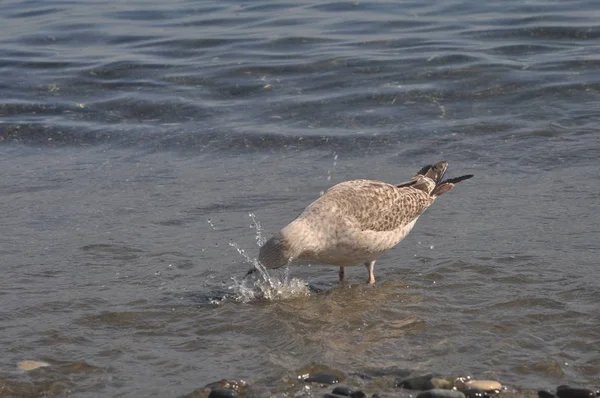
[{"x": 370, "y": 267}]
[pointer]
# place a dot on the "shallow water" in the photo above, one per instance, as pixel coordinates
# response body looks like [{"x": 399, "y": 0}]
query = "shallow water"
[{"x": 137, "y": 138}]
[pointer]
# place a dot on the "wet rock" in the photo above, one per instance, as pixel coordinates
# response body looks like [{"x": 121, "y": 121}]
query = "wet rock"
[
  {"x": 342, "y": 390},
  {"x": 442, "y": 383},
  {"x": 426, "y": 382},
  {"x": 13, "y": 388},
  {"x": 417, "y": 383},
  {"x": 257, "y": 394},
  {"x": 545, "y": 394},
  {"x": 348, "y": 392},
  {"x": 227, "y": 384},
  {"x": 475, "y": 393},
  {"x": 323, "y": 378},
  {"x": 441, "y": 393},
  {"x": 573, "y": 392},
  {"x": 31, "y": 365},
  {"x": 77, "y": 367},
  {"x": 223, "y": 393}
]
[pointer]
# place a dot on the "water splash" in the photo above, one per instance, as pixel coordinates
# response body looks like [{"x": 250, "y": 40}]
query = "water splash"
[
  {"x": 256, "y": 224},
  {"x": 260, "y": 285},
  {"x": 209, "y": 221},
  {"x": 332, "y": 169}
]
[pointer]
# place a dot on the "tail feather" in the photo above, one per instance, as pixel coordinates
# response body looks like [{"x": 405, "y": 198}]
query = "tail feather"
[
  {"x": 429, "y": 179},
  {"x": 447, "y": 185},
  {"x": 437, "y": 171}
]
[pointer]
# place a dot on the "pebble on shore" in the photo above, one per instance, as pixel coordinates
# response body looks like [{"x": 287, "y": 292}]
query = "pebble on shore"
[
  {"x": 490, "y": 386},
  {"x": 573, "y": 392},
  {"x": 323, "y": 378},
  {"x": 223, "y": 393},
  {"x": 427, "y": 382},
  {"x": 441, "y": 393},
  {"x": 474, "y": 393},
  {"x": 427, "y": 386}
]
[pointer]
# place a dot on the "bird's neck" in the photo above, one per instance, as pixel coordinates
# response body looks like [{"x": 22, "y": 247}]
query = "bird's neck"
[{"x": 298, "y": 236}]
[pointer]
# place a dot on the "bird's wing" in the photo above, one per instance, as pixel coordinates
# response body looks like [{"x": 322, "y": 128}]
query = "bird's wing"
[{"x": 375, "y": 205}]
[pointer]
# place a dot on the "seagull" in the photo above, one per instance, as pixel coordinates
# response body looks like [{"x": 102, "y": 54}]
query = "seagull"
[{"x": 356, "y": 221}]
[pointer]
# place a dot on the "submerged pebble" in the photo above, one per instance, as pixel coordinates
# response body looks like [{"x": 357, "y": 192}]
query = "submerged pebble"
[
  {"x": 389, "y": 371},
  {"x": 348, "y": 392},
  {"x": 227, "y": 384},
  {"x": 573, "y": 392},
  {"x": 441, "y": 393},
  {"x": 31, "y": 365},
  {"x": 323, "y": 378}
]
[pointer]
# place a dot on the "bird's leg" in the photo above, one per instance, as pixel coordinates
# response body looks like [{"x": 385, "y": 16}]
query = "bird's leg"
[
  {"x": 370, "y": 265},
  {"x": 341, "y": 274}
]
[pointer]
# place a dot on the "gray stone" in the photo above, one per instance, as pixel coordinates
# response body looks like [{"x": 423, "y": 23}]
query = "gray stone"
[
  {"x": 223, "y": 393},
  {"x": 323, "y": 378},
  {"x": 475, "y": 393},
  {"x": 439, "y": 393},
  {"x": 417, "y": 383},
  {"x": 342, "y": 390},
  {"x": 573, "y": 392},
  {"x": 545, "y": 394}
]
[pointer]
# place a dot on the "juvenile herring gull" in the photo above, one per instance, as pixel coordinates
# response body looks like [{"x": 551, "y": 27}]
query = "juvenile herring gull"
[{"x": 355, "y": 222}]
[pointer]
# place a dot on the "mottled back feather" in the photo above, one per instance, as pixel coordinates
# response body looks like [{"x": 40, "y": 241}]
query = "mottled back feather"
[{"x": 373, "y": 205}]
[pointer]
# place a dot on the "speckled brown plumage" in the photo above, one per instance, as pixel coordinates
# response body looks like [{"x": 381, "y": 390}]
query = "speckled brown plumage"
[
  {"x": 354, "y": 222},
  {"x": 375, "y": 205}
]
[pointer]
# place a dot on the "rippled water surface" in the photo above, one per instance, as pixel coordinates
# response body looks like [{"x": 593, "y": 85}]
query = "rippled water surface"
[{"x": 147, "y": 147}]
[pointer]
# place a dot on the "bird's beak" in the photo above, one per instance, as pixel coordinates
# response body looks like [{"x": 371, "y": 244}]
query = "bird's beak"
[{"x": 250, "y": 272}]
